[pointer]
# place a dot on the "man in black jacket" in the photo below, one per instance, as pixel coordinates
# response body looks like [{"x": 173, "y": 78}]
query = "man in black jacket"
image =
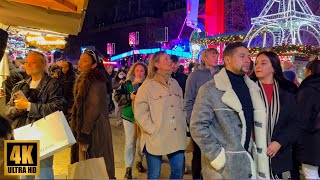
[
  {"x": 179, "y": 76},
  {"x": 35, "y": 98}
]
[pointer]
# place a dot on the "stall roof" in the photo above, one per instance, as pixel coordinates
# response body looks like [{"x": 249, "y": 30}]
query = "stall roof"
[{"x": 63, "y": 16}]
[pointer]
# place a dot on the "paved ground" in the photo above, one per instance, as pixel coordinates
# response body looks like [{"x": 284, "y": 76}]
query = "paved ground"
[{"x": 62, "y": 159}]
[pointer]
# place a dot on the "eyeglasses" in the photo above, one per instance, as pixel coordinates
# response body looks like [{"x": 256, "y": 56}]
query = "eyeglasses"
[{"x": 92, "y": 54}]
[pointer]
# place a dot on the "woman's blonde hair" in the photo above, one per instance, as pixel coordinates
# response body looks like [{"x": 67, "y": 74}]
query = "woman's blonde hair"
[
  {"x": 133, "y": 68},
  {"x": 152, "y": 69}
]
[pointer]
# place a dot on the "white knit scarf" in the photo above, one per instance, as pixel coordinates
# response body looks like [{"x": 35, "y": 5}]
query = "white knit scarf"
[{"x": 272, "y": 113}]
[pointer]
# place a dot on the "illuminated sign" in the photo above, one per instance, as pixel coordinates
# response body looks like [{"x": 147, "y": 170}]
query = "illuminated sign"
[
  {"x": 45, "y": 42},
  {"x": 186, "y": 55},
  {"x": 111, "y": 48},
  {"x": 110, "y": 63},
  {"x": 134, "y": 38}
]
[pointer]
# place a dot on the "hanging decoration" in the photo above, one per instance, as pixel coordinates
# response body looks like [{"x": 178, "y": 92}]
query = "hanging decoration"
[
  {"x": 217, "y": 39},
  {"x": 45, "y": 42},
  {"x": 299, "y": 50}
]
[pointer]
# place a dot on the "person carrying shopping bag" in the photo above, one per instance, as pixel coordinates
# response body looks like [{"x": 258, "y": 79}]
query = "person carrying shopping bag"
[{"x": 89, "y": 120}]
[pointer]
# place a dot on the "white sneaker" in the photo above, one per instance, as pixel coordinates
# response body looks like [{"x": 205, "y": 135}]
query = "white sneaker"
[{"x": 185, "y": 170}]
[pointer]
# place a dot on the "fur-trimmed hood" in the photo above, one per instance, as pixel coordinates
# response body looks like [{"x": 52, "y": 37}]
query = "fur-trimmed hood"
[
  {"x": 80, "y": 92},
  {"x": 83, "y": 82}
]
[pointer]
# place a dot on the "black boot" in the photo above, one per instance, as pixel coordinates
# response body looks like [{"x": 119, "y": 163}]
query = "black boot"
[
  {"x": 128, "y": 174},
  {"x": 140, "y": 168}
]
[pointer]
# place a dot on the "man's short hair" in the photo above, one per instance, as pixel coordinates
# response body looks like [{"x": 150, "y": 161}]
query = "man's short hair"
[
  {"x": 174, "y": 58},
  {"x": 42, "y": 57},
  {"x": 205, "y": 52},
  {"x": 229, "y": 50}
]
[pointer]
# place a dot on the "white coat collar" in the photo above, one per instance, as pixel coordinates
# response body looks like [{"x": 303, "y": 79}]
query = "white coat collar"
[{"x": 230, "y": 98}]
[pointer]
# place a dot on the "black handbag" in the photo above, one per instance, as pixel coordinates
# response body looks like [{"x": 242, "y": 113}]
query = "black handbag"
[{"x": 122, "y": 97}]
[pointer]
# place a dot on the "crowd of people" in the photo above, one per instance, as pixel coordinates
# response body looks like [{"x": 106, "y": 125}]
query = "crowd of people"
[{"x": 242, "y": 124}]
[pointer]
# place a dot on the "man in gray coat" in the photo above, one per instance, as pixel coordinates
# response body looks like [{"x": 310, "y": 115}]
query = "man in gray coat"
[
  {"x": 208, "y": 68},
  {"x": 226, "y": 112}
]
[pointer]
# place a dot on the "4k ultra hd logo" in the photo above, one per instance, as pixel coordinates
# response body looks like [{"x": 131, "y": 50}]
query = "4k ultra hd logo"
[{"x": 21, "y": 158}]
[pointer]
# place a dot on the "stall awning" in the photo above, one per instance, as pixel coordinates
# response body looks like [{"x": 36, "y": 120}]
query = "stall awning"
[{"x": 63, "y": 16}]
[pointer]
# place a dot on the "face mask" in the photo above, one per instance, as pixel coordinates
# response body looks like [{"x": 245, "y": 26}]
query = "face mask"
[{"x": 121, "y": 76}]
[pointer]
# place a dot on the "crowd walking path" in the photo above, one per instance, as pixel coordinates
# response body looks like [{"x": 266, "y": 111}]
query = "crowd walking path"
[{"x": 62, "y": 159}]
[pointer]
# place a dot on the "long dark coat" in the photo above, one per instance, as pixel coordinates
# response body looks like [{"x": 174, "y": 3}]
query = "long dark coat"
[
  {"x": 89, "y": 119},
  {"x": 308, "y": 98},
  {"x": 285, "y": 131}
]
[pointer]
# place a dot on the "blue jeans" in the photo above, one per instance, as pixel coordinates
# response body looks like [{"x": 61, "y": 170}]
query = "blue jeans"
[
  {"x": 176, "y": 161},
  {"x": 46, "y": 171}
]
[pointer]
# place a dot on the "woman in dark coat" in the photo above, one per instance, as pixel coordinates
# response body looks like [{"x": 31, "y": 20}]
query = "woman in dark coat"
[
  {"x": 282, "y": 112},
  {"x": 89, "y": 120},
  {"x": 308, "y": 99},
  {"x": 68, "y": 78}
]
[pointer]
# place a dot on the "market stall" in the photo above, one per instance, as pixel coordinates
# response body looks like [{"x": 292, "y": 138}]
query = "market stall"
[
  {"x": 40, "y": 25},
  {"x": 55, "y": 15},
  {"x": 37, "y": 25}
]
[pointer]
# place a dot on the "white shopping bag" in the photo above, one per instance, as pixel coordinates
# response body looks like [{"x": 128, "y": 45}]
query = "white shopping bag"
[{"x": 53, "y": 132}]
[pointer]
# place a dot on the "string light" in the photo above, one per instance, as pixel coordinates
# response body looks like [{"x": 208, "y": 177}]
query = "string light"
[
  {"x": 298, "y": 50},
  {"x": 218, "y": 40}
]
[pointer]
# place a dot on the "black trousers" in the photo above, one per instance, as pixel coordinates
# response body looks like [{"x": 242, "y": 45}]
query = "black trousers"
[
  {"x": 111, "y": 104},
  {"x": 196, "y": 162},
  {"x": 295, "y": 172}
]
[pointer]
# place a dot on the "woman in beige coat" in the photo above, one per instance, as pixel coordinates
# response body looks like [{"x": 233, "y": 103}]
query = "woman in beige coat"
[{"x": 159, "y": 112}]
